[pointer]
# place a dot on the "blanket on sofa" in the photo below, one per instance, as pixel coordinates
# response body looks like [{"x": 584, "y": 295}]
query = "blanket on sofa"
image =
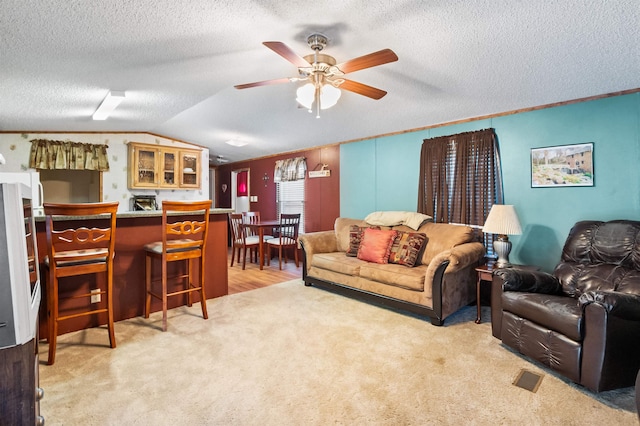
[{"x": 393, "y": 218}]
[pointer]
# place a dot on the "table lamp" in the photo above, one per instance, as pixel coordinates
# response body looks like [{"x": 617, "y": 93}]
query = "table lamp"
[{"x": 503, "y": 221}]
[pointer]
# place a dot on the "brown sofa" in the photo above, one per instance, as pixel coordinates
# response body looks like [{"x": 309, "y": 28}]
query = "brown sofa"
[{"x": 442, "y": 282}]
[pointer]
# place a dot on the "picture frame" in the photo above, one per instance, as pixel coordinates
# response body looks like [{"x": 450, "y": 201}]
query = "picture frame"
[{"x": 562, "y": 166}]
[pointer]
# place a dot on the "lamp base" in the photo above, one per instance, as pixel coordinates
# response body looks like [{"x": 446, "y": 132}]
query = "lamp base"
[{"x": 502, "y": 247}]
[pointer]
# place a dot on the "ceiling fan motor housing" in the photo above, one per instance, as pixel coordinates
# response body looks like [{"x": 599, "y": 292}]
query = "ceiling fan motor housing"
[{"x": 317, "y": 42}]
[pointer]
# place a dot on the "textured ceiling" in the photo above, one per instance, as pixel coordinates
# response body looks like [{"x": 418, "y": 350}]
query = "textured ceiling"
[{"x": 178, "y": 61}]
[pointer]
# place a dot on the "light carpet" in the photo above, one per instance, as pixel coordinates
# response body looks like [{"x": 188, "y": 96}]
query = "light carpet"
[{"x": 294, "y": 355}]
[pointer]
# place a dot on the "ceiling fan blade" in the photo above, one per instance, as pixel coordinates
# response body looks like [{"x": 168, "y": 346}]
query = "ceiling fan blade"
[
  {"x": 263, "y": 83},
  {"x": 362, "y": 89},
  {"x": 284, "y": 51},
  {"x": 367, "y": 61}
]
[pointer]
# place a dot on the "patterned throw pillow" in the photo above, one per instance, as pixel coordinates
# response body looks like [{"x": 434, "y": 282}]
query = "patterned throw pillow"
[
  {"x": 407, "y": 248},
  {"x": 376, "y": 245},
  {"x": 355, "y": 236}
]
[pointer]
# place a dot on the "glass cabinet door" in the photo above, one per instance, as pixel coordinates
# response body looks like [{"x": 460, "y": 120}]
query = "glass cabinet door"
[
  {"x": 169, "y": 168},
  {"x": 189, "y": 169},
  {"x": 144, "y": 168},
  {"x": 159, "y": 166}
]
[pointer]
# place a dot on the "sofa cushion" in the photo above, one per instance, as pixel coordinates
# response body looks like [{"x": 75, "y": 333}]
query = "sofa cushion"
[
  {"x": 376, "y": 245},
  {"x": 407, "y": 248},
  {"x": 556, "y": 312},
  {"x": 341, "y": 228},
  {"x": 395, "y": 275},
  {"x": 355, "y": 238},
  {"x": 337, "y": 262}
]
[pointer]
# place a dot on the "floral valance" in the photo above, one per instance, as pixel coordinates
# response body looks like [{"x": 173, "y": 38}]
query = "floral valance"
[
  {"x": 56, "y": 155},
  {"x": 290, "y": 169}
]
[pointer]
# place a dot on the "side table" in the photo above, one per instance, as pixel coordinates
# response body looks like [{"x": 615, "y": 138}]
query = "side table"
[{"x": 485, "y": 273}]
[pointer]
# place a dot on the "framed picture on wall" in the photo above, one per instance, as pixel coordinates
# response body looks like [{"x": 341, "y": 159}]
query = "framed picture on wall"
[{"x": 563, "y": 165}]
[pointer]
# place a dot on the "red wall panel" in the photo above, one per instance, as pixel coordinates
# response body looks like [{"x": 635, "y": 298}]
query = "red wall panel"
[{"x": 322, "y": 194}]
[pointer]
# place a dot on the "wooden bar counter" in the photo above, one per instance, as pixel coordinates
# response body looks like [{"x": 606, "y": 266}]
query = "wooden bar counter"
[{"x": 133, "y": 231}]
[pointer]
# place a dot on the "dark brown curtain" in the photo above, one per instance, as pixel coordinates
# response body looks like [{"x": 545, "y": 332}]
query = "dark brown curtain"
[{"x": 460, "y": 177}]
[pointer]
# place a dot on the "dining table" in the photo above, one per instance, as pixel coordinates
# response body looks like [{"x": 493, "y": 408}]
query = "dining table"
[{"x": 260, "y": 226}]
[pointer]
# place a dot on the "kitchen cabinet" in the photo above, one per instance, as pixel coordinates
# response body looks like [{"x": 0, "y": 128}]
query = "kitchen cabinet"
[
  {"x": 189, "y": 169},
  {"x": 158, "y": 167}
]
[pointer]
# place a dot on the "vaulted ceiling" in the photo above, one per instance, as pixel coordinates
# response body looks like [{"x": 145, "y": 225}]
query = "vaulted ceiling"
[{"x": 178, "y": 61}]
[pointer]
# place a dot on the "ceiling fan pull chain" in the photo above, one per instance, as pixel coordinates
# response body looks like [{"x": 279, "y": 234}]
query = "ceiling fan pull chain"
[{"x": 317, "y": 101}]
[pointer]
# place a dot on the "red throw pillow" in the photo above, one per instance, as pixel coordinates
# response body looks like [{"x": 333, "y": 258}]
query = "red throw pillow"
[
  {"x": 376, "y": 245},
  {"x": 355, "y": 237}
]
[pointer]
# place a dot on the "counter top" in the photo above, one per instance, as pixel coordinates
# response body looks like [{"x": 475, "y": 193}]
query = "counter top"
[{"x": 130, "y": 214}]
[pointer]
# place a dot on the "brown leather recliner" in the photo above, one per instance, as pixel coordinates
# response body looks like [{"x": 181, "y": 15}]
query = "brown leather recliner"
[{"x": 582, "y": 321}]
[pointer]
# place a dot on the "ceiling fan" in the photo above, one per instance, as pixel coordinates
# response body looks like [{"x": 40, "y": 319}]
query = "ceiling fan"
[{"x": 324, "y": 75}]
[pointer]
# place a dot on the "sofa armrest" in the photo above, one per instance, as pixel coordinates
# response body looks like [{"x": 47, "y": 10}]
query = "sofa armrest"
[
  {"x": 528, "y": 281},
  {"x": 317, "y": 242},
  {"x": 459, "y": 257},
  {"x": 450, "y": 274},
  {"x": 455, "y": 259},
  {"x": 621, "y": 305}
]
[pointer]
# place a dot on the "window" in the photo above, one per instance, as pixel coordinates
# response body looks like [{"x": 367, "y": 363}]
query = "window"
[
  {"x": 460, "y": 179},
  {"x": 290, "y": 199}
]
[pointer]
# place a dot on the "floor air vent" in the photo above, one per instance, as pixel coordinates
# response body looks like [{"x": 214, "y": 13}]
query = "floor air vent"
[{"x": 528, "y": 380}]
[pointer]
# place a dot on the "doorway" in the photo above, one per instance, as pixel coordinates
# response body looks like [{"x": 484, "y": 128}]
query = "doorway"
[{"x": 240, "y": 190}]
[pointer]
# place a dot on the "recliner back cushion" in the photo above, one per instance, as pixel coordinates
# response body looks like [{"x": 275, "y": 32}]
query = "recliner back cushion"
[{"x": 601, "y": 256}]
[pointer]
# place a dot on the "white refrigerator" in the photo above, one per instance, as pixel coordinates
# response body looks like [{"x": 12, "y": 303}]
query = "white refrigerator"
[{"x": 32, "y": 180}]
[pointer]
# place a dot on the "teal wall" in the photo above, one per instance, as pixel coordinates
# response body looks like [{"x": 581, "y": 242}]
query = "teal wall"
[{"x": 382, "y": 174}]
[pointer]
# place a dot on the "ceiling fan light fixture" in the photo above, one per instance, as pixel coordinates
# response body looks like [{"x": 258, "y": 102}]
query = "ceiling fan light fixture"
[
  {"x": 329, "y": 96},
  {"x": 306, "y": 95}
]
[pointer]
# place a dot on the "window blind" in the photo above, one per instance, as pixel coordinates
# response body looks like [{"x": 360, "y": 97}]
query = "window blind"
[{"x": 290, "y": 199}]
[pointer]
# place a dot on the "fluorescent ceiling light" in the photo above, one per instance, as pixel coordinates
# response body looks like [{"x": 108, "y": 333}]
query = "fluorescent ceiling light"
[
  {"x": 107, "y": 106},
  {"x": 235, "y": 142}
]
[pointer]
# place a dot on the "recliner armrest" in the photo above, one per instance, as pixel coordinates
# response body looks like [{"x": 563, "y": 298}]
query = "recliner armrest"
[
  {"x": 520, "y": 280},
  {"x": 621, "y": 305},
  {"x": 528, "y": 281}
]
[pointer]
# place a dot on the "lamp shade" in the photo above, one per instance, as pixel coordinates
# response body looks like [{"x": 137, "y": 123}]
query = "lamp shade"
[{"x": 502, "y": 220}]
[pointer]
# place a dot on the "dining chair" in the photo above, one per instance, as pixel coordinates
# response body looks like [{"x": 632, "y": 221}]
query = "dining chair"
[
  {"x": 185, "y": 226},
  {"x": 287, "y": 238},
  {"x": 240, "y": 241},
  {"x": 78, "y": 251},
  {"x": 253, "y": 217}
]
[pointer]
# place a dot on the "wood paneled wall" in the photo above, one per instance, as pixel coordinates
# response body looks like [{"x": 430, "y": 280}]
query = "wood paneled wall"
[{"x": 322, "y": 194}]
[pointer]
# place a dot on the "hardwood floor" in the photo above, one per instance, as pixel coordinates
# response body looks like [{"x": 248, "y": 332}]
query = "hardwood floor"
[{"x": 252, "y": 277}]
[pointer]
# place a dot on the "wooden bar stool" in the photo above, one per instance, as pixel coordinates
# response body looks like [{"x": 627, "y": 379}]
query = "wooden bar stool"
[
  {"x": 184, "y": 236},
  {"x": 79, "y": 251}
]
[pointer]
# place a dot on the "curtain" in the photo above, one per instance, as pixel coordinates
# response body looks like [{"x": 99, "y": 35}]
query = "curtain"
[
  {"x": 460, "y": 177},
  {"x": 242, "y": 184},
  {"x": 55, "y": 155},
  {"x": 290, "y": 169}
]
